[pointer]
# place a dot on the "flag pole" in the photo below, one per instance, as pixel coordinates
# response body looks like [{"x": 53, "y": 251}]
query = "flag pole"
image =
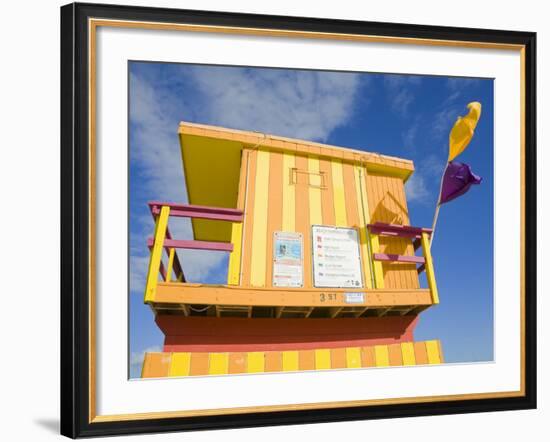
[{"x": 436, "y": 214}]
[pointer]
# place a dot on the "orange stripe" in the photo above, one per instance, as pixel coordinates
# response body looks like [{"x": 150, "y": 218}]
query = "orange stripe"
[
  {"x": 275, "y": 208},
  {"x": 395, "y": 355},
  {"x": 302, "y": 215},
  {"x": 237, "y": 363},
  {"x": 273, "y": 361},
  {"x": 156, "y": 365},
  {"x": 327, "y": 196},
  {"x": 420, "y": 353},
  {"x": 338, "y": 357},
  {"x": 306, "y": 360},
  {"x": 367, "y": 357},
  {"x": 248, "y": 219},
  {"x": 199, "y": 364}
]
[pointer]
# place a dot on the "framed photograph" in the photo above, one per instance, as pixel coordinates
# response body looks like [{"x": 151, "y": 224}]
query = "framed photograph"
[{"x": 274, "y": 220}]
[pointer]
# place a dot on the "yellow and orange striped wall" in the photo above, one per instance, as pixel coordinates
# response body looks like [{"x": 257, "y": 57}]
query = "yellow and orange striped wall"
[
  {"x": 290, "y": 185},
  {"x": 292, "y": 192},
  {"x": 166, "y": 364}
]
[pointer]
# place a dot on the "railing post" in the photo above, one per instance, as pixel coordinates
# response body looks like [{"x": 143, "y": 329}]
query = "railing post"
[
  {"x": 430, "y": 274},
  {"x": 172, "y": 253},
  {"x": 156, "y": 254},
  {"x": 234, "y": 268},
  {"x": 376, "y": 265}
]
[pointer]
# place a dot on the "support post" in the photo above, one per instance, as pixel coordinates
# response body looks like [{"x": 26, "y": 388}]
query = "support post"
[
  {"x": 156, "y": 254},
  {"x": 430, "y": 274}
]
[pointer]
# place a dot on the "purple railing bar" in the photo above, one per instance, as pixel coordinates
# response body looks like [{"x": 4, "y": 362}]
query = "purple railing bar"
[
  {"x": 398, "y": 258},
  {"x": 197, "y": 214},
  {"x": 177, "y": 265},
  {"x": 398, "y": 230},
  {"x": 196, "y": 245},
  {"x": 420, "y": 269},
  {"x": 197, "y": 209},
  {"x": 162, "y": 271}
]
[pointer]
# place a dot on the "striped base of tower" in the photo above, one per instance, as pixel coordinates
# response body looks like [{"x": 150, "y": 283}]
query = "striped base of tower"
[{"x": 166, "y": 364}]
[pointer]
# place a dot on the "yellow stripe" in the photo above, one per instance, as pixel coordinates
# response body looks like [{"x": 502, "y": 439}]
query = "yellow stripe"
[
  {"x": 353, "y": 357},
  {"x": 289, "y": 193},
  {"x": 290, "y": 360},
  {"x": 315, "y": 212},
  {"x": 363, "y": 207},
  {"x": 256, "y": 362},
  {"x": 219, "y": 363},
  {"x": 339, "y": 193},
  {"x": 407, "y": 350},
  {"x": 234, "y": 270},
  {"x": 381, "y": 355},
  {"x": 259, "y": 227},
  {"x": 322, "y": 359},
  {"x": 156, "y": 254},
  {"x": 430, "y": 274},
  {"x": 181, "y": 362},
  {"x": 432, "y": 348}
]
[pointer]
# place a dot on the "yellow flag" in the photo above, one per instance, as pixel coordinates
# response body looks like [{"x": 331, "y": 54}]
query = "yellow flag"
[{"x": 463, "y": 130}]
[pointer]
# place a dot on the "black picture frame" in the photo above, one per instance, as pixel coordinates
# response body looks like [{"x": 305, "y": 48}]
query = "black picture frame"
[{"x": 76, "y": 416}]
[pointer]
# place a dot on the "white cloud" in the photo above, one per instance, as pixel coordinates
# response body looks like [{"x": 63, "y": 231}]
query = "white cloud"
[
  {"x": 300, "y": 104},
  {"x": 400, "y": 91},
  {"x": 416, "y": 189}
]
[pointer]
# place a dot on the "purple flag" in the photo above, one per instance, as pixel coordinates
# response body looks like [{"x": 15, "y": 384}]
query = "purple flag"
[{"x": 457, "y": 180}]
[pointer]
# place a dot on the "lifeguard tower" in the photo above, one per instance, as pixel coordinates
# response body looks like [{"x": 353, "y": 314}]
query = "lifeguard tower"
[{"x": 323, "y": 266}]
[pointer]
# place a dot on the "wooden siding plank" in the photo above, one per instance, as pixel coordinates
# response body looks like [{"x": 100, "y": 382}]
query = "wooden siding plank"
[
  {"x": 420, "y": 353},
  {"x": 290, "y": 360},
  {"x": 327, "y": 195},
  {"x": 339, "y": 193},
  {"x": 219, "y": 363},
  {"x": 256, "y": 362},
  {"x": 368, "y": 357},
  {"x": 407, "y": 352},
  {"x": 156, "y": 365},
  {"x": 289, "y": 193},
  {"x": 315, "y": 211},
  {"x": 432, "y": 348},
  {"x": 307, "y": 359},
  {"x": 302, "y": 216},
  {"x": 395, "y": 354},
  {"x": 237, "y": 362},
  {"x": 180, "y": 365},
  {"x": 381, "y": 355},
  {"x": 259, "y": 228},
  {"x": 199, "y": 364},
  {"x": 273, "y": 361},
  {"x": 321, "y": 359},
  {"x": 353, "y": 357},
  {"x": 364, "y": 219},
  {"x": 275, "y": 209},
  {"x": 338, "y": 358}
]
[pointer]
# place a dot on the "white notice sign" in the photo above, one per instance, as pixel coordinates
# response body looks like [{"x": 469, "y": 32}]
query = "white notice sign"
[
  {"x": 336, "y": 257},
  {"x": 287, "y": 259}
]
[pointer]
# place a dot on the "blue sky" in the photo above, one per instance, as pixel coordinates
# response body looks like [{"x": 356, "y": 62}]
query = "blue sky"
[{"x": 400, "y": 115}]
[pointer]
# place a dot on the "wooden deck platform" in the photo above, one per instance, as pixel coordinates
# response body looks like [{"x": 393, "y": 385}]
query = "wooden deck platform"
[{"x": 224, "y": 300}]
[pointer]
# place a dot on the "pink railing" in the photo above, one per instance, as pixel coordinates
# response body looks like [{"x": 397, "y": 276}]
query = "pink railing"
[{"x": 163, "y": 239}]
